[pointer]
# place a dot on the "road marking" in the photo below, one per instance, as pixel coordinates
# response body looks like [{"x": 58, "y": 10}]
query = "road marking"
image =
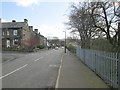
[
  {"x": 53, "y": 65},
  {"x": 13, "y": 71},
  {"x": 57, "y": 82},
  {"x": 38, "y": 59}
]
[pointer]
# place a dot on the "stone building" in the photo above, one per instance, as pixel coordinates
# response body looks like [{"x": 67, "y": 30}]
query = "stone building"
[
  {"x": 15, "y": 35},
  {"x": 43, "y": 40},
  {"x": 19, "y": 35},
  {"x": 36, "y": 38}
]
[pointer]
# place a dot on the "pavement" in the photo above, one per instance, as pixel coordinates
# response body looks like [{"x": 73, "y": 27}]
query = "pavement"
[{"x": 74, "y": 74}]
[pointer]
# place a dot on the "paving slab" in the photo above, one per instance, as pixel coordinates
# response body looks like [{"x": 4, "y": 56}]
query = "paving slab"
[{"x": 74, "y": 74}]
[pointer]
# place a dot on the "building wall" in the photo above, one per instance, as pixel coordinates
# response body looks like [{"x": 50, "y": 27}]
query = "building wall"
[
  {"x": 16, "y": 41},
  {"x": 43, "y": 41},
  {"x": 26, "y": 34},
  {"x": 32, "y": 38},
  {"x": 37, "y": 39},
  {"x": 27, "y": 38},
  {"x": 11, "y": 37}
]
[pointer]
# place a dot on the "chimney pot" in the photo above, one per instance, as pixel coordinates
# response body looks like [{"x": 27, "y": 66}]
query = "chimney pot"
[
  {"x": 13, "y": 21},
  {"x": 25, "y": 20},
  {"x": 31, "y": 28},
  {"x": 36, "y": 30}
]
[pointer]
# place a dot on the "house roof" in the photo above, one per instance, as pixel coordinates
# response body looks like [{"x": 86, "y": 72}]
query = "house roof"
[{"x": 13, "y": 24}]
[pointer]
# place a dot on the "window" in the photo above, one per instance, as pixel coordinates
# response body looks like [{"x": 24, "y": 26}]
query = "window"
[
  {"x": 15, "y": 32},
  {"x": 8, "y": 33},
  {"x": 8, "y": 43},
  {"x": 15, "y": 41},
  {"x": 3, "y": 33}
]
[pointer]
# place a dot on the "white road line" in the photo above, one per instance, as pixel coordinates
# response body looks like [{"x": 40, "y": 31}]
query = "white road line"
[
  {"x": 38, "y": 59},
  {"x": 53, "y": 65},
  {"x": 57, "y": 82},
  {"x": 13, "y": 71}
]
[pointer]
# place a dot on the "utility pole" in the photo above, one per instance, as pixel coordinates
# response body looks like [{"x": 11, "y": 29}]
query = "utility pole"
[
  {"x": 65, "y": 42},
  {"x": 118, "y": 56}
]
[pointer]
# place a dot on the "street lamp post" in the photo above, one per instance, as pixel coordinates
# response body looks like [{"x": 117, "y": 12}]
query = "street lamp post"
[{"x": 65, "y": 41}]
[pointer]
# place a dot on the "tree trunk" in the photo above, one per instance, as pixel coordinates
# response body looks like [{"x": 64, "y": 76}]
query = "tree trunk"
[{"x": 119, "y": 37}]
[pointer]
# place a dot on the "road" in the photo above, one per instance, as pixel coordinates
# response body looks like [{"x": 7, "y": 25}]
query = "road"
[
  {"x": 33, "y": 70},
  {"x": 11, "y": 55}
]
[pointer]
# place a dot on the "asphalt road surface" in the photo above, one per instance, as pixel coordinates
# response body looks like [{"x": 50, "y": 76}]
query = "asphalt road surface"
[
  {"x": 11, "y": 55},
  {"x": 34, "y": 70}
]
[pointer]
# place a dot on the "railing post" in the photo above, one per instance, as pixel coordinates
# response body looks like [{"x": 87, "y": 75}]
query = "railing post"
[{"x": 84, "y": 55}]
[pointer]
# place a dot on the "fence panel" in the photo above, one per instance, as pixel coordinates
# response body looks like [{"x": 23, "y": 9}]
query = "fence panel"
[{"x": 102, "y": 63}]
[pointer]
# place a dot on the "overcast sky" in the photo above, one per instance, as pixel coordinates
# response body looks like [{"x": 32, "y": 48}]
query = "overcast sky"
[{"x": 48, "y": 17}]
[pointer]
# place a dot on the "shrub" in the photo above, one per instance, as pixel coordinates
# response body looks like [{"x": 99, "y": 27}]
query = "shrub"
[
  {"x": 71, "y": 48},
  {"x": 41, "y": 46}
]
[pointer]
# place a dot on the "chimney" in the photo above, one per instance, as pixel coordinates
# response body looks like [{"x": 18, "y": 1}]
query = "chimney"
[
  {"x": 25, "y": 20},
  {"x": 39, "y": 33},
  {"x": 36, "y": 30},
  {"x": 13, "y": 21},
  {"x": 31, "y": 28}
]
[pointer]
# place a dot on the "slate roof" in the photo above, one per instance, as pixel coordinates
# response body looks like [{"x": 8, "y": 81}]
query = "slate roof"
[{"x": 13, "y": 24}]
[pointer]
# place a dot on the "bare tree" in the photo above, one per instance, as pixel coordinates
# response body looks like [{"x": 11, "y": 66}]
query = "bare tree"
[
  {"x": 96, "y": 19},
  {"x": 81, "y": 21},
  {"x": 105, "y": 16}
]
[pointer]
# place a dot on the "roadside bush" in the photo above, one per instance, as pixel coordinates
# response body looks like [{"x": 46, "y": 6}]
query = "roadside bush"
[
  {"x": 41, "y": 46},
  {"x": 71, "y": 48}
]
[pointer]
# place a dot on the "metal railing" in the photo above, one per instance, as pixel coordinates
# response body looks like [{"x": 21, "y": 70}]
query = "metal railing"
[{"x": 102, "y": 63}]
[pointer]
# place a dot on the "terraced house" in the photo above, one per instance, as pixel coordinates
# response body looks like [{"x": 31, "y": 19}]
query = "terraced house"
[
  {"x": 36, "y": 38},
  {"x": 19, "y": 36}
]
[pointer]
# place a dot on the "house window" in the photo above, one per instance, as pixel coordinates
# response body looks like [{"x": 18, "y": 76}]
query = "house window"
[
  {"x": 3, "y": 33},
  {"x": 8, "y": 33},
  {"x": 8, "y": 43},
  {"x": 15, "y": 41},
  {"x": 15, "y": 32}
]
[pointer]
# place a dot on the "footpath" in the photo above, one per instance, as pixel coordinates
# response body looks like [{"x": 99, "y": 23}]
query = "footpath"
[{"x": 74, "y": 74}]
